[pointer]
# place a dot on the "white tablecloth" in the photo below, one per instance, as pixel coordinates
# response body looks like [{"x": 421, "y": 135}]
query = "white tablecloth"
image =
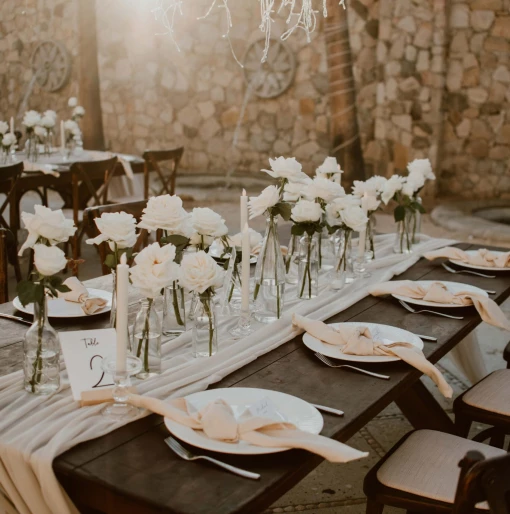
[{"x": 34, "y": 430}]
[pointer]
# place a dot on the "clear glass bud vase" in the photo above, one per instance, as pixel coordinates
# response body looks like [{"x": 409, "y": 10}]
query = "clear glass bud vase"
[
  {"x": 325, "y": 250},
  {"x": 338, "y": 275},
  {"x": 292, "y": 260},
  {"x": 205, "y": 325},
  {"x": 41, "y": 351},
  {"x": 404, "y": 237},
  {"x": 416, "y": 222},
  {"x": 370, "y": 235},
  {"x": 32, "y": 147},
  {"x": 174, "y": 311},
  {"x": 270, "y": 276},
  {"x": 48, "y": 142},
  {"x": 147, "y": 339},
  {"x": 308, "y": 282}
]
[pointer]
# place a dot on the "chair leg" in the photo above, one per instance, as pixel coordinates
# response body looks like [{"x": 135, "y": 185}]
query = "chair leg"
[
  {"x": 498, "y": 439},
  {"x": 374, "y": 508},
  {"x": 462, "y": 425}
]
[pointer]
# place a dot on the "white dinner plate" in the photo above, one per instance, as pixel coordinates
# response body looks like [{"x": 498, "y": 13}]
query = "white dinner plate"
[
  {"x": 294, "y": 410},
  {"x": 473, "y": 253},
  {"x": 60, "y": 308},
  {"x": 453, "y": 287},
  {"x": 384, "y": 333}
]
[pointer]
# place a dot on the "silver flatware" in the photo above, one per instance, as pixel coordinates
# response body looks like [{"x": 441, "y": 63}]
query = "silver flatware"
[
  {"x": 414, "y": 311},
  {"x": 427, "y": 338},
  {"x": 328, "y": 409},
  {"x": 185, "y": 454},
  {"x": 331, "y": 364},
  {"x": 469, "y": 272},
  {"x": 15, "y": 318}
]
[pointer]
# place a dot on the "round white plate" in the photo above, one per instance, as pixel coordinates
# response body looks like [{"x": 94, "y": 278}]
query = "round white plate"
[
  {"x": 60, "y": 308},
  {"x": 385, "y": 333},
  {"x": 453, "y": 287},
  {"x": 474, "y": 266},
  {"x": 294, "y": 410}
]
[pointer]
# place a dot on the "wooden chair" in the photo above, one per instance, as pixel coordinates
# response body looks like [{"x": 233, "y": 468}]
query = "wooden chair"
[
  {"x": 421, "y": 474},
  {"x": 9, "y": 176},
  {"x": 95, "y": 177},
  {"x": 8, "y": 255},
  {"x": 153, "y": 158},
  {"x": 134, "y": 208}
]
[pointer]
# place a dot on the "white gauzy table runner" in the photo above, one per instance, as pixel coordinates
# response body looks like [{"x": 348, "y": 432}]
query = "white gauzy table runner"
[{"x": 34, "y": 430}]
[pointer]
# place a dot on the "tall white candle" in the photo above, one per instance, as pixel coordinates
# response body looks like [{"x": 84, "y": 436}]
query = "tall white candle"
[
  {"x": 62, "y": 135},
  {"x": 363, "y": 233},
  {"x": 245, "y": 271},
  {"x": 122, "y": 313},
  {"x": 12, "y": 125},
  {"x": 244, "y": 210}
]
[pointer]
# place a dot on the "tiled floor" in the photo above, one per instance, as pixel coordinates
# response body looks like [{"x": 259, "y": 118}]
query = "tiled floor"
[{"x": 336, "y": 488}]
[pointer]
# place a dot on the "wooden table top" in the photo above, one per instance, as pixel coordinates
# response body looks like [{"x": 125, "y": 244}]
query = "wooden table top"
[{"x": 132, "y": 471}]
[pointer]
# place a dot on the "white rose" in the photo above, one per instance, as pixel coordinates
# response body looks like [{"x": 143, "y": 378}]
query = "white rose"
[
  {"x": 306, "y": 211},
  {"x": 154, "y": 269},
  {"x": 50, "y": 225},
  {"x": 31, "y": 119},
  {"x": 269, "y": 197},
  {"x": 40, "y": 132},
  {"x": 324, "y": 189},
  {"x": 360, "y": 189},
  {"x": 423, "y": 167},
  {"x": 293, "y": 191},
  {"x": 329, "y": 167},
  {"x": 198, "y": 240},
  {"x": 346, "y": 201},
  {"x": 166, "y": 213},
  {"x": 255, "y": 239},
  {"x": 206, "y": 222},
  {"x": 50, "y": 114},
  {"x": 70, "y": 126},
  {"x": 118, "y": 228},
  {"x": 73, "y": 102},
  {"x": 377, "y": 182},
  {"x": 354, "y": 217},
  {"x": 414, "y": 182},
  {"x": 78, "y": 111},
  {"x": 286, "y": 168},
  {"x": 199, "y": 271},
  {"x": 8, "y": 140},
  {"x": 392, "y": 186},
  {"x": 371, "y": 203},
  {"x": 49, "y": 260},
  {"x": 4, "y": 127},
  {"x": 48, "y": 121}
]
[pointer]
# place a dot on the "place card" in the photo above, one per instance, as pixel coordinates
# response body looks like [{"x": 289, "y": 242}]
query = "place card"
[{"x": 84, "y": 351}]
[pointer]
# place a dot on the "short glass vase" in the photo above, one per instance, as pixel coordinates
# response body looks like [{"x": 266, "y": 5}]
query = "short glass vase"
[
  {"x": 205, "y": 325},
  {"x": 147, "y": 339},
  {"x": 174, "y": 311}
]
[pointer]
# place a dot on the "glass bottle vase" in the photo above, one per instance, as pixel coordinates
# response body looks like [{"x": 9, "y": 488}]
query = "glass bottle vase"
[
  {"x": 174, "y": 310},
  {"x": 32, "y": 147},
  {"x": 291, "y": 260},
  {"x": 147, "y": 339},
  {"x": 205, "y": 325},
  {"x": 370, "y": 235},
  {"x": 41, "y": 353},
  {"x": 326, "y": 250},
  {"x": 308, "y": 281},
  {"x": 269, "y": 276},
  {"x": 416, "y": 222},
  {"x": 338, "y": 275},
  {"x": 404, "y": 236}
]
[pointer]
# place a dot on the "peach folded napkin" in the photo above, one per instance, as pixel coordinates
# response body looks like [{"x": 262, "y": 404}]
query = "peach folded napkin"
[
  {"x": 483, "y": 257},
  {"x": 47, "y": 169},
  {"x": 358, "y": 341},
  {"x": 79, "y": 294},
  {"x": 438, "y": 293},
  {"x": 218, "y": 422}
]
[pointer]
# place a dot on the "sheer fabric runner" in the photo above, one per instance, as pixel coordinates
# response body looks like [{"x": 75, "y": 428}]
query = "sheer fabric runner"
[{"x": 34, "y": 430}]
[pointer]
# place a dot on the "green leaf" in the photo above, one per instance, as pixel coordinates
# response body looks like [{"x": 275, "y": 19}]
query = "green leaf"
[
  {"x": 417, "y": 206},
  {"x": 29, "y": 292},
  {"x": 110, "y": 261},
  {"x": 297, "y": 230},
  {"x": 176, "y": 240},
  {"x": 283, "y": 209},
  {"x": 400, "y": 213}
]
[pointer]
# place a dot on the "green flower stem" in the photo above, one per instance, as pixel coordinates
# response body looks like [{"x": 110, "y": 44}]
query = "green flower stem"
[
  {"x": 343, "y": 259},
  {"x": 307, "y": 272},
  {"x": 175, "y": 301},
  {"x": 205, "y": 298},
  {"x": 276, "y": 250},
  {"x": 145, "y": 338},
  {"x": 36, "y": 375}
]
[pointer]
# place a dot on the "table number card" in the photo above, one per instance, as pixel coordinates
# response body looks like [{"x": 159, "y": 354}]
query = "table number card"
[{"x": 84, "y": 351}]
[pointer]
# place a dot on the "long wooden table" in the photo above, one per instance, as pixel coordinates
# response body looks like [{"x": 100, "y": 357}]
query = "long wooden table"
[{"x": 132, "y": 471}]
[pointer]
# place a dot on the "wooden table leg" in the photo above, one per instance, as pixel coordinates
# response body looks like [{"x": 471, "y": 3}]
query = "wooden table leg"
[{"x": 423, "y": 411}]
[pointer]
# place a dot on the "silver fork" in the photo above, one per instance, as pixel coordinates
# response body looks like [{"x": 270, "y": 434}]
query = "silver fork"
[
  {"x": 414, "y": 311},
  {"x": 185, "y": 454},
  {"x": 451, "y": 270},
  {"x": 331, "y": 364}
]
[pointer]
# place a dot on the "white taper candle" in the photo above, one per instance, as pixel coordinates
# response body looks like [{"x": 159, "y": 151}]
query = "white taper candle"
[
  {"x": 12, "y": 125},
  {"x": 244, "y": 209},
  {"x": 122, "y": 313},
  {"x": 62, "y": 135},
  {"x": 245, "y": 270}
]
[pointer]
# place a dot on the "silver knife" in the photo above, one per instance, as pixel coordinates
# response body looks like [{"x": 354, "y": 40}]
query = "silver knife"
[
  {"x": 427, "y": 338},
  {"x": 329, "y": 409},
  {"x": 15, "y": 318}
]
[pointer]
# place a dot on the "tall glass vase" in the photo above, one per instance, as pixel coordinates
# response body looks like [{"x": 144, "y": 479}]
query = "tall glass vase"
[
  {"x": 147, "y": 339},
  {"x": 308, "y": 283},
  {"x": 370, "y": 235},
  {"x": 174, "y": 311},
  {"x": 41, "y": 350},
  {"x": 32, "y": 147},
  {"x": 205, "y": 325},
  {"x": 48, "y": 142},
  {"x": 417, "y": 218},
  {"x": 291, "y": 260},
  {"x": 325, "y": 250},
  {"x": 270, "y": 276},
  {"x": 338, "y": 275},
  {"x": 404, "y": 236}
]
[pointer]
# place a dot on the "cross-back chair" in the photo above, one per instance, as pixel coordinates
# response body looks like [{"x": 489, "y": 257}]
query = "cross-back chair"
[
  {"x": 421, "y": 475},
  {"x": 95, "y": 178},
  {"x": 9, "y": 176},
  {"x": 153, "y": 160},
  {"x": 134, "y": 208},
  {"x": 8, "y": 255}
]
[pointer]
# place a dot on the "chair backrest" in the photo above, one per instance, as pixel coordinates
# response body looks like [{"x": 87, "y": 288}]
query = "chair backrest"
[
  {"x": 9, "y": 176},
  {"x": 483, "y": 480},
  {"x": 8, "y": 254},
  {"x": 153, "y": 158},
  {"x": 134, "y": 208}
]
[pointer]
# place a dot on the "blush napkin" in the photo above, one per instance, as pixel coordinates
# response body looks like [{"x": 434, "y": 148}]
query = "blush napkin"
[
  {"x": 483, "y": 257},
  {"x": 438, "y": 293},
  {"x": 218, "y": 422},
  {"x": 80, "y": 294},
  {"x": 358, "y": 341}
]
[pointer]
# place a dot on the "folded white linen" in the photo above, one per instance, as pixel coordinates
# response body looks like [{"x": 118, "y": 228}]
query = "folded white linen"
[
  {"x": 80, "y": 294},
  {"x": 357, "y": 340},
  {"x": 47, "y": 169},
  {"x": 438, "y": 293},
  {"x": 483, "y": 257}
]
